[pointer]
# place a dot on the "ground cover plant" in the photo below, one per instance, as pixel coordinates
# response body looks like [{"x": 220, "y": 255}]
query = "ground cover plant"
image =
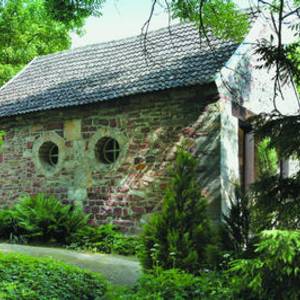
[
  {"x": 45, "y": 220},
  {"x": 106, "y": 239},
  {"x": 24, "y": 277}
]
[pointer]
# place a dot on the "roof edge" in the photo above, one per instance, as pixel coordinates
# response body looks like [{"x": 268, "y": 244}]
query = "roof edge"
[{"x": 18, "y": 74}]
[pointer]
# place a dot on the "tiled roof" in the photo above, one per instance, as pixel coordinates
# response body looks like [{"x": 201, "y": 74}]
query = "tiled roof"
[{"x": 174, "y": 57}]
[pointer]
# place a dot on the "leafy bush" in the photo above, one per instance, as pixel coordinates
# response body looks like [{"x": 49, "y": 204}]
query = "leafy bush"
[
  {"x": 276, "y": 203},
  {"x": 24, "y": 277},
  {"x": 46, "y": 220},
  {"x": 106, "y": 239},
  {"x": 126, "y": 245},
  {"x": 274, "y": 273},
  {"x": 170, "y": 284},
  {"x": 94, "y": 238},
  {"x": 41, "y": 219},
  {"x": 175, "y": 284},
  {"x": 181, "y": 235}
]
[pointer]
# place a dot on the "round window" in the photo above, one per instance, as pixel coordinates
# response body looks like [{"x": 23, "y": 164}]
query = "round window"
[
  {"x": 107, "y": 150},
  {"x": 48, "y": 154}
]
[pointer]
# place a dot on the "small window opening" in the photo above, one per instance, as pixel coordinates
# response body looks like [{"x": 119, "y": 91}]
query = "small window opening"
[
  {"x": 49, "y": 154},
  {"x": 107, "y": 150}
]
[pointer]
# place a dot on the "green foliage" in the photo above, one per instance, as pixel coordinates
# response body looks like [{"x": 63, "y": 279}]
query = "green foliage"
[
  {"x": 282, "y": 132},
  {"x": 276, "y": 203},
  {"x": 30, "y": 28},
  {"x": 275, "y": 199},
  {"x": 175, "y": 284},
  {"x": 94, "y": 238},
  {"x": 46, "y": 220},
  {"x": 222, "y": 17},
  {"x": 2, "y": 134},
  {"x": 15, "y": 291},
  {"x": 171, "y": 284},
  {"x": 181, "y": 235},
  {"x": 293, "y": 56},
  {"x": 73, "y": 11},
  {"x": 41, "y": 219},
  {"x": 237, "y": 225},
  {"x": 126, "y": 245},
  {"x": 23, "y": 277},
  {"x": 274, "y": 273},
  {"x": 105, "y": 239},
  {"x": 267, "y": 158}
]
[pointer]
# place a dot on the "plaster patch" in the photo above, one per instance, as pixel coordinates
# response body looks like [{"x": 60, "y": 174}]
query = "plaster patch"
[{"x": 72, "y": 130}]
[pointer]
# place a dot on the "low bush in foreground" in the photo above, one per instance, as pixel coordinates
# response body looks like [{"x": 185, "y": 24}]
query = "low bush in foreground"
[
  {"x": 24, "y": 277},
  {"x": 41, "y": 219},
  {"x": 175, "y": 284},
  {"x": 45, "y": 220},
  {"x": 274, "y": 273}
]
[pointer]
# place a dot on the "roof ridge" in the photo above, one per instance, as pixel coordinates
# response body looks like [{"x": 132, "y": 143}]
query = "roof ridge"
[{"x": 114, "y": 41}]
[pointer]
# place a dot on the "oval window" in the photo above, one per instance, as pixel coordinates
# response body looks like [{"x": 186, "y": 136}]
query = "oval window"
[
  {"x": 107, "y": 150},
  {"x": 49, "y": 154}
]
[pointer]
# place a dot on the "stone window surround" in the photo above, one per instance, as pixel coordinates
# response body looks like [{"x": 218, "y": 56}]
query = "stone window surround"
[
  {"x": 111, "y": 133},
  {"x": 40, "y": 165},
  {"x": 91, "y": 153}
]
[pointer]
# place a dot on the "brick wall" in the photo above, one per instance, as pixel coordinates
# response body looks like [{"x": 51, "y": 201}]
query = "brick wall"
[{"x": 148, "y": 126}]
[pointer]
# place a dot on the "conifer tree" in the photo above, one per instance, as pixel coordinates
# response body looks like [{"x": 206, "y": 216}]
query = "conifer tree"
[{"x": 180, "y": 235}]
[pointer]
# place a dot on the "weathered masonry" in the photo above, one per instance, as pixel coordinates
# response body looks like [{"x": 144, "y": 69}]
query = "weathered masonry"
[
  {"x": 99, "y": 125},
  {"x": 108, "y": 157}
]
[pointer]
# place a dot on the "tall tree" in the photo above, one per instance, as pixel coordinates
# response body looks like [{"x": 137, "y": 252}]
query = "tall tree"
[{"x": 29, "y": 28}]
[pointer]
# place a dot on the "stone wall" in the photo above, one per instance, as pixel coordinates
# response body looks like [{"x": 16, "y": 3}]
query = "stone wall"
[{"x": 147, "y": 129}]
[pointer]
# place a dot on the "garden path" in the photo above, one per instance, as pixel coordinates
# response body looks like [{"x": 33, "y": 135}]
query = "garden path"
[{"x": 121, "y": 270}]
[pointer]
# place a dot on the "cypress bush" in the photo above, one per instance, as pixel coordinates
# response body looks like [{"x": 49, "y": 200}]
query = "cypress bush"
[{"x": 181, "y": 235}]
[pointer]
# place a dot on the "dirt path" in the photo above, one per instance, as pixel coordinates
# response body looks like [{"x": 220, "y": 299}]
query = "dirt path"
[{"x": 117, "y": 269}]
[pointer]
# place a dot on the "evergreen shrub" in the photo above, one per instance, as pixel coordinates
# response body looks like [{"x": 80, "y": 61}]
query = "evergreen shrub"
[{"x": 181, "y": 235}]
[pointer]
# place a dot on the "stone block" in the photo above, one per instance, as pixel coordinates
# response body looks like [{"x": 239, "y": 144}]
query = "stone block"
[{"x": 72, "y": 130}]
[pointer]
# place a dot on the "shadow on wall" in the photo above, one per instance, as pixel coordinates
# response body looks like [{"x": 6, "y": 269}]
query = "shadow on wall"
[
  {"x": 208, "y": 155},
  {"x": 239, "y": 83}
]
